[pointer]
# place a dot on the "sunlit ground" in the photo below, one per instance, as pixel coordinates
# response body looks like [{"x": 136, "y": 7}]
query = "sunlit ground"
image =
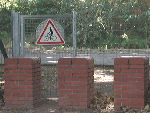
[{"x": 103, "y": 75}]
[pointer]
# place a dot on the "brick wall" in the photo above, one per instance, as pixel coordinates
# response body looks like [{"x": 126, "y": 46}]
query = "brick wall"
[
  {"x": 75, "y": 82},
  {"x": 131, "y": 77},
  {"x": 22, "y": 82}
]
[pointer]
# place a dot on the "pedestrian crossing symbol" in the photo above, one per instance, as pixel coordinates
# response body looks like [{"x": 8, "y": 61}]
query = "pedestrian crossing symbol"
[{"x": 52, "y": 33}]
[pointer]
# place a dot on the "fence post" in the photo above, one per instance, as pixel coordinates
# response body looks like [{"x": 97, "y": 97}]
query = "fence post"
[
  {"x": 22, "y": 36},
  {"x": 22, "y": 83},
  {"x": 75, "y": 82},
  {"x": 74, "y": 35},
  {"x": 15, "y": 34},
  {"x": 131, "y": 81}
]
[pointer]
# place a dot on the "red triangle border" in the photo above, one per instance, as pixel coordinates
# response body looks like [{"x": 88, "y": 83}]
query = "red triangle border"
[{"x": 50, "y": 22}]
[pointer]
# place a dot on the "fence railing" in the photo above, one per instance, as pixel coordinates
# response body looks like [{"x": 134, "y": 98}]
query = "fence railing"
[{"x": 101, "y": 57}]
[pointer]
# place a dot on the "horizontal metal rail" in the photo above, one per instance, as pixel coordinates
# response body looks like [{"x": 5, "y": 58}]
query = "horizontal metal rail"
[{"x": 46, "y": 16}]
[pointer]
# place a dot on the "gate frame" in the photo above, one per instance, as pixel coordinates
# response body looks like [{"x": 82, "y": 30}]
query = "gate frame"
[{"x": 18, "y": 31}]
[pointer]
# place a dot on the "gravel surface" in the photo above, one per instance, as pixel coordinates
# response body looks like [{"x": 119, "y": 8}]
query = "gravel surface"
[{"x": 103, "y": 79}]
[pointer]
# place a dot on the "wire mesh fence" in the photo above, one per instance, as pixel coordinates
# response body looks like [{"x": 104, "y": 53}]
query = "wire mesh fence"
[
  {"x": 49, "y": 81},
  {"x": 31, "y": 25}
]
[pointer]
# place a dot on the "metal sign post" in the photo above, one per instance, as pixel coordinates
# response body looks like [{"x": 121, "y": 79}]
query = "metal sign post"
[
  {"x": 74, "y": 35},
  {"x": 15, "y": 34}
]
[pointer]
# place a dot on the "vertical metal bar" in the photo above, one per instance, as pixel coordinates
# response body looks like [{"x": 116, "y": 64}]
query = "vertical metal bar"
[
  {"x": 74, "y": 35},
  {"x": 15, "y": 34},
  {"x": 22, "y": 36},
  {"x": 19, "y": 35}
]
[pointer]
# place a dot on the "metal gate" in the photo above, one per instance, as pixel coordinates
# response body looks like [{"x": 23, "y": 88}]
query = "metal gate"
[{"x": 24, "y": 38}]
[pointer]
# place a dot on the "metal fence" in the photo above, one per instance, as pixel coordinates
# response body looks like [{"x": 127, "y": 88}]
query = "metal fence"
[
  {"x": 24, "y": 32},
  {"x": 49, "y": 55},
  {"x": 27, "y": 25}
]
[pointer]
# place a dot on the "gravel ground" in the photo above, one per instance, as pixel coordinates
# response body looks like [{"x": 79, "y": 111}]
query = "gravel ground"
[{"x": 103, "y": 79}]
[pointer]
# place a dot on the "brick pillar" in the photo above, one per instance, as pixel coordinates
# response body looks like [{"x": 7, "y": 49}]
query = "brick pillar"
[
  {"x": 131, "y": 81},
  {"x": 22, "y": 82},
  {"x": 75, "y": 82}
]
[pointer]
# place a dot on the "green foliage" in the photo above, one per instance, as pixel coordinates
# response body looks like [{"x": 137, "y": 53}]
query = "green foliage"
[
  {"x": 5, "y": 26},
  {"x": 100, "y": 23}
]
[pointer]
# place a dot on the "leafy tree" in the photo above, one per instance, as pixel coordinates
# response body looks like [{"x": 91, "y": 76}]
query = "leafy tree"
[{"x": 100, "y": 23}]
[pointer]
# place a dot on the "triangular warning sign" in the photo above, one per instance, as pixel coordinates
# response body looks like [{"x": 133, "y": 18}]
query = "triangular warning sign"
[{"x": 50, "y": 35}]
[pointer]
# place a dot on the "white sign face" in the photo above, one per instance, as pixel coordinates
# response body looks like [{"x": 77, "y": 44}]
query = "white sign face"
[{"x": 49, "y": 32}]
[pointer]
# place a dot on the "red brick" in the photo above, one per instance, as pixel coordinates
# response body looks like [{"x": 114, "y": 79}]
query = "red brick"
[
  {"x": 19, "y": 103},
  {"x": 64, "y": 61},
  {"x": 137, "y": 74},
  {"x": 19, "y": 71},
  {"x": 121, "y": 61},
  {"x": 140, "y": 71},
  {"x": 130, "y": 85},
  {"x": 120, "y": 74},
  {"x": 65, "y": 91},
  {"x": 18, "y": 78},
  {"x": 80, "y": 91},
  {"x": 25, "y": 61},
  {"x": 79, "y": 100},
  {"x": 137, "y": 61},
  {"x": 129, "y": 96},
  {"x": 134, "y": 104},
  {"x": 121, "y": 66},
  {"x": 75, "y": 82},
  {"x": 74, "y": 67},
  {"x": 19, "y": 99},
  {"x": 61, "y": 75},
  {"x": 79, "y": 61},
  {"x": 18, "y": 86},
  {"x": 10, "y": 67},
  {"x": 84, "y": 105},
  {"x": 27, "y": 74},
  {"x": 128, "y": 70},
  {"x": 26, "y": 67},
  {"x": 120, "y": 83},
  {"x": 137, "y": 66},
  {"x": 80, "y": 67},
  {"x": 118, "y": 70},
  {"x": 81, "y": 74},
  {"x": 135, "y": 83},
  {"x": 64, "y": 67},
  {"x": 28, "y": 82},
  {"x": 117, "y": 87},
  {"x": 128, "y": 79},
  {"x": 116, "y": 95},
  {"x": 22, "y": 82},
  {"x": 85, "y": 95},
  {"x": 9, "y": 61}
]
